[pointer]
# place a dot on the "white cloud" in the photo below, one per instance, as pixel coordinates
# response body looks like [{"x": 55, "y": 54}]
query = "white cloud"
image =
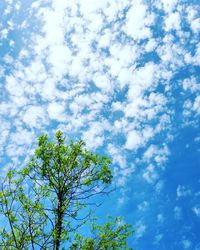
[
  {"x": 196, "y": 58},
  {"x": 34, "y": 116},
  {"x": 143, "y": 206},
  {"x": 191, "y": 106},
  {"x": 83, "y": 64},
  {"x": 143, "y": 78},
  {"x": 94, "y": 135},
  {"x": 59, "y": 57},
  {"x": 141, "y": 228},
  {"x": 150, "y": 152},
  {"x": 168, "y": 6},
  {"x": 21, "y": 137},
  {"x": 196, "y": 105},
  {"x": 4, "y": 130},
  {"x": 196, "y": 210},
  {"x": 172, "y": 22},
  {"x": 150, "y": 174},
  {"x": 193, "y": 20},
  {"x": 136, "y": 24},
  {"x": 160, "y": 218},
  {"x": 13, "y": 86},
  {"x": 195, "y": 25},
  {"x": 159, "y": 186},
  {"x": 117, "y": 156},
  {"x": 157, "y": 154},
  {"x": 102, "y": 82},
  {"x": 134, "y": 140},
  {"x": 183, "y": 191},
  {"x": 191, "y": 85},
  {"x": 186, "y": 244},
  {"x": 151, "y": 45},
  {"x": 158, "y": 238},
  {"x": 122, "y": 170},
  {"x": 89, "y": 6},
  {"x": 20, "y": 145},
  {"x": 4, "y": 33},
  {"x": 56, "y": 111}
]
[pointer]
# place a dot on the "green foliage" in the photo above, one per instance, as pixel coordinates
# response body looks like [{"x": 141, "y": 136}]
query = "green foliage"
[
  {"x": 110, "y": 236},
  {"x": 42, "y": 202}
]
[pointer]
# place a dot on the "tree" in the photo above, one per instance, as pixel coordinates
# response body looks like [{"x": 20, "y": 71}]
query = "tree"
[{"x": 43, "y": 204}]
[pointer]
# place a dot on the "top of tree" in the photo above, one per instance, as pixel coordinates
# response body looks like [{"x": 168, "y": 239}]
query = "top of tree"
[{"x": 45, "y": 202}]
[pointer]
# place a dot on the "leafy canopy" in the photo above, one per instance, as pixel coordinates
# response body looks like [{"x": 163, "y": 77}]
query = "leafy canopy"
[{"x": 43, "y": 205}]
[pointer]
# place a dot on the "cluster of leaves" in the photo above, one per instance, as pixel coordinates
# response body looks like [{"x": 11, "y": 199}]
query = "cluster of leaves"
[
  {"x": 110, "y": 236},
  {"x": 42, "y": 202}
]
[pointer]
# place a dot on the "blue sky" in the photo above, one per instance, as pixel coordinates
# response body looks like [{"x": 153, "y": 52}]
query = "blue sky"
[{"x": 124, "y": 76}]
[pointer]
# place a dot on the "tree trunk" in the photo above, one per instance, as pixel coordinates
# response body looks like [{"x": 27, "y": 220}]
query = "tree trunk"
[{"x": 58, "y": 225}]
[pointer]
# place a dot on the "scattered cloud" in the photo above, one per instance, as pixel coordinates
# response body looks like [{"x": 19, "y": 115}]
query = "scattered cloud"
[
  {"x": 108, "y": 72},
  {"x": 183, "y": 191},
  {"x": 196, "y": 210},
  {"x": 186, "y": 244},
  {"x": 178, "y": 213}
]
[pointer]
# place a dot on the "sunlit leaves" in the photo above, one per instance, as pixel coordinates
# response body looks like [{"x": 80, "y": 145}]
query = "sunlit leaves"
[
  {"x": 110, "y": 236},
  {"x": 42, "y": 202}
]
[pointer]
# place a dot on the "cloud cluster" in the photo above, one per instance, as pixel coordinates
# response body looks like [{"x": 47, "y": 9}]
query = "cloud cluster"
[
  {"x": 106, "y": 71},
  {"x": 83, "y": 71}
]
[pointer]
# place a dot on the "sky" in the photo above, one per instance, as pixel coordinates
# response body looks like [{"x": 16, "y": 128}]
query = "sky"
[{"x": 124, "y": 76}]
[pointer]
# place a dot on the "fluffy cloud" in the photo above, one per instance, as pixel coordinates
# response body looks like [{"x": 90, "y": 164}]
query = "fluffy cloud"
[
  {"x": 186, "y": 244},
  {"x": 134, "y": 140},
  {"x": 172, "y": 22},
  {"x": 196, "y": 210},
  {"x": 56, "y": 111},
  {"x": 137, "y": 21},
  {"x": 183, "y": 191},
  {"x": 106, "y": 71}
]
